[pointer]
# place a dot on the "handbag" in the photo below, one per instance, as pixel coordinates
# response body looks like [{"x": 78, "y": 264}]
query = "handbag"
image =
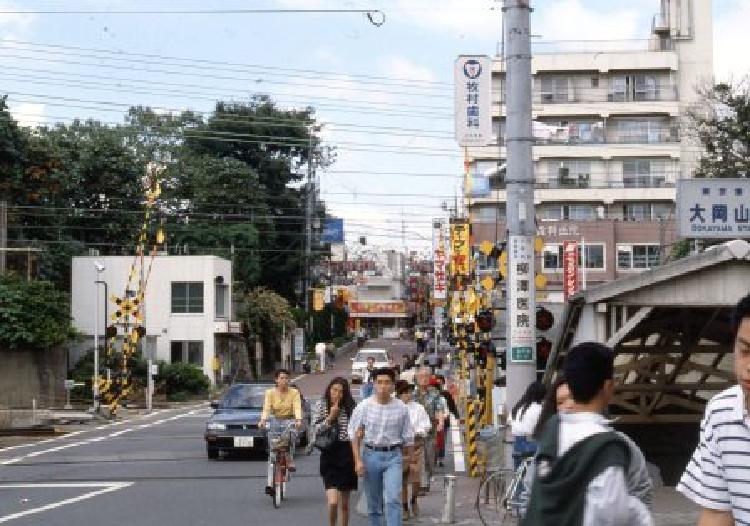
[{"x": 326, "y": 436}]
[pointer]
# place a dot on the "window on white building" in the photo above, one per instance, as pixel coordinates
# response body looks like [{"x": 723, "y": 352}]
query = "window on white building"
[
  {"x": 187, "y": 352},
  {"x": 643, "y": 256},
  {"x": 187, "y": 297},
  {"x": 644, "y": 173},
  {"x": 569, "y": 173},
  {"x": 553, "y": 257},
  {"x": 554, "y": 89},
  {"x": 222, "y": 300},
  {"x": 626, "y": 88}
]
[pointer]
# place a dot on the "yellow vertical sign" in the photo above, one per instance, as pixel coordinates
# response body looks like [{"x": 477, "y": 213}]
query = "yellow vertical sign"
[
  {"x": 460, "y": 253},
  {"x": 318, "y": 300}
]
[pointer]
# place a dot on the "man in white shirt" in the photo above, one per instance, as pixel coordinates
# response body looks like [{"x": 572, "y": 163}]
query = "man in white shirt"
[
  {"x": 579, "y": 450},
  {"x": 718, "y": 476},
  {"x": 413, "y": 467}
]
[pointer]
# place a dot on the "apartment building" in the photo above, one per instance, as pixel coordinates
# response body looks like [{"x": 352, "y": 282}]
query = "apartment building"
[{"x": 609, "y": 145}]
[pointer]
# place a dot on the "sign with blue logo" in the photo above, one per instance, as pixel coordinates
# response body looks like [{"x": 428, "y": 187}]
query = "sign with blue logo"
[
  {"x": 713, "y": 208},
  {"x": 333, "y": 230},
  {"x": 473, "y": 85}
]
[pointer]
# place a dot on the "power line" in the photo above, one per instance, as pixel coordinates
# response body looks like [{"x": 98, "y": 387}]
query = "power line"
[
  {"x": 271, "y": 70},
  {"x": 158, "y": 67}
]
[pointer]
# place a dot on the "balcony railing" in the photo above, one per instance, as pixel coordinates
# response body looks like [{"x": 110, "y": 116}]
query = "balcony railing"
[
  {"x": 585, "y": 181},
  {"x": 576, "y": 95}
]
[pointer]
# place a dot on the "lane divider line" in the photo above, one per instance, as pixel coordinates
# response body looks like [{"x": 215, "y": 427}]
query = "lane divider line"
[
  {"x": 92, "y": 440},
  {"x": 104, "y": 487}
]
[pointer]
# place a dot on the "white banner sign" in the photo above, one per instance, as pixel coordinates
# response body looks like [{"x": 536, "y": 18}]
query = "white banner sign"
[
  {"x": 713, "y": 208},
  {"x": 473, "y": 85},
  {"x": 521, "y": 314},
  {"x": 439, "y": 283}
]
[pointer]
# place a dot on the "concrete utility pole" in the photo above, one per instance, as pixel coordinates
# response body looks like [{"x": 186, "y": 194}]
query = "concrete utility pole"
[
  {"x": 521, "y": 338},
  {"x": 308, "y": 226},
  {"x": 3, "y": 234}
]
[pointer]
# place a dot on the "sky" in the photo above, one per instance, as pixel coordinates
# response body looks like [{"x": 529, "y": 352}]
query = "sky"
[{"x": 384, "y": 94}]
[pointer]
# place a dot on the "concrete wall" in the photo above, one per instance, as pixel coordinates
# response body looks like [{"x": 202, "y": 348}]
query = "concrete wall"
[{"x": 27, "y": 375}]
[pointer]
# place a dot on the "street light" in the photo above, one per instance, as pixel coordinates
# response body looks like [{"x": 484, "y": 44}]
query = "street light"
[{"x": 95, "y": 388}]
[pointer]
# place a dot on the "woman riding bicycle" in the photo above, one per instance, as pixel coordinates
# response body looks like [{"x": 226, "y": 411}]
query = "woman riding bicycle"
[{"x": 282, "y": 403}]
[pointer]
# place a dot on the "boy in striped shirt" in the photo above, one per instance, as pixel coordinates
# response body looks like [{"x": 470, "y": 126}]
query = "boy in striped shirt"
[{"x": 718, "y": 476}]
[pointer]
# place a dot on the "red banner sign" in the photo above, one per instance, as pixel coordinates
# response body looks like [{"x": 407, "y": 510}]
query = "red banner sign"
[{"x": 570, "y": 268}]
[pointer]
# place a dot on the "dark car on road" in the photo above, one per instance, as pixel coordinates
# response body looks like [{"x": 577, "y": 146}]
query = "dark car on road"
[{"x": 233, "y": 428}]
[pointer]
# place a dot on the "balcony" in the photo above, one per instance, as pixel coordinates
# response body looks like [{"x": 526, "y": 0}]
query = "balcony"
[{"x": 585, "y": 181}]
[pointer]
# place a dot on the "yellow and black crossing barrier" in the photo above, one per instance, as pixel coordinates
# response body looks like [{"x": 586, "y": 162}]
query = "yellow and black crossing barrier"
[{"x": 473, "y": 407}]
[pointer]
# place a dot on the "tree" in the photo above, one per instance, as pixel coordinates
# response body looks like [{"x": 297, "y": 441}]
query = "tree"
[
  {"x": 722, "y": 126},
  {"x": 33, "y": 315},
  {"x": 268, "y": 316}
]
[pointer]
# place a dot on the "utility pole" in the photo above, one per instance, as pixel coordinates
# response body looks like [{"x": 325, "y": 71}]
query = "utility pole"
[
  {"x": 521, "y": 337},
  {"x": 309, "y": 196},
  {"x": 3, "y": 234}
]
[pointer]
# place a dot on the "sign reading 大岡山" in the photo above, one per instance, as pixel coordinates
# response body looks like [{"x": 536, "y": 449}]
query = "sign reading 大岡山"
[
  {"x": 473, "y": 84},
  {"x": 713, "y": 208}
]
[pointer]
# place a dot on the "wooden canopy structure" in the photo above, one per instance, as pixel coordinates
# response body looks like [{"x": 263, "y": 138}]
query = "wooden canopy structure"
[{"x": 670, "y": 328}]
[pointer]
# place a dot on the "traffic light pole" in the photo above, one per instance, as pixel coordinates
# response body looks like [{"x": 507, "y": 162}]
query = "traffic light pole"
[{"x": 521, "y": 340}]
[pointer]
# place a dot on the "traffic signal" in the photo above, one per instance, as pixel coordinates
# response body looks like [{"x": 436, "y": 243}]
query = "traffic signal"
[
  {"x": 543, "y": 350},
  {"x": 485, "y": 320},
  {"x": 544, "y": 319}
]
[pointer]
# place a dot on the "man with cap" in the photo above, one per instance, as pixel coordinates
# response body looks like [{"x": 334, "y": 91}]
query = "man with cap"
[{"x": 578, "y": 449}]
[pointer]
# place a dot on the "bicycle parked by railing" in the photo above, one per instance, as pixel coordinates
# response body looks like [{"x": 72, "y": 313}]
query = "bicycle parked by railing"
[
  {"x": 281, "y": 443},
  {"x": 506, "y": 492}
]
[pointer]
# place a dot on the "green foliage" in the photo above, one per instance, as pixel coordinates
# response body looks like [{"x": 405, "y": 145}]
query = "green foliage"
[
  {"x": 230, "y": 186},
  {"x": 266, "y": 312},
  {"x": 33, "y": 315},
  {"x": 722, "y": 125},
  {"x": 322, "y": 324},
  {"x": 181, "y": 379}
]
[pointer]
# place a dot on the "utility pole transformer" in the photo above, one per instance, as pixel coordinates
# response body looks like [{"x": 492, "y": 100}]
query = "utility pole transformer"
[{"x": 521, "y": 221}]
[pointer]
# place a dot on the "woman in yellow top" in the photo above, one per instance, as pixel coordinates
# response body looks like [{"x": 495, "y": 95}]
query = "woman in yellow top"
[{"x": 282, "y": 402}]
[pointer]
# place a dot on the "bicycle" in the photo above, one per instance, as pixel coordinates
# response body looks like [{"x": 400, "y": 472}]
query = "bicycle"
[
  {"x": 280, "y": 449},
  {"x": 510, "y": 496}
]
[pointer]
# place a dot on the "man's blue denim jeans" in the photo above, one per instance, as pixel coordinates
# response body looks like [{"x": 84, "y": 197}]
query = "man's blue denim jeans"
[
  {"x": 367, "y": 389},
  {"x": 383, "y": 476}
]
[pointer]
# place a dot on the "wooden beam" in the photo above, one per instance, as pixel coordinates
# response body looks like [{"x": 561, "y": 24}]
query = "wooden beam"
[
  {"x": 631, "y": 324},
  {"x": 649, "y": 388}
]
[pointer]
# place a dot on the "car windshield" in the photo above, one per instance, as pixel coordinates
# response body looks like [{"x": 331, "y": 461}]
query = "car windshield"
[
  {"x": 244, "y": 397},
  {"x": 363, "y": 356}
]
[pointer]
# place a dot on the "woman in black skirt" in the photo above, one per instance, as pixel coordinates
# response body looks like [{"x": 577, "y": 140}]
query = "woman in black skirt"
[{"x": 337, "y": 462}]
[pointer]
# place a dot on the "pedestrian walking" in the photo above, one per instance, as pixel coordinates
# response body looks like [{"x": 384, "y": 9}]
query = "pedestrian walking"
[
  {"x": 436, "y": 409},
  {"x": 413, "y": 466},
  {"x": 718, "y": 476},
  {"x": 440, "y": 440},
  {"x": 337, "y": 461},
  {"x": 383, "y": 425},
  {"x": 523, "y": 420},
  {"x": 558, "y": 400},
  {"x": 368, "y": 380},
  {"x": 581, "y": 464}
]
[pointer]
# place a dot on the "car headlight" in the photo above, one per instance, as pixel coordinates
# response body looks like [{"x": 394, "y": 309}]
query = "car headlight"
[{"x": 215, "y": 426}]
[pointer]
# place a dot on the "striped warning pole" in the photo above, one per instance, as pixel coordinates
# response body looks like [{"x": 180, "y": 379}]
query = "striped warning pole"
[{"x": 472, "y": 419}]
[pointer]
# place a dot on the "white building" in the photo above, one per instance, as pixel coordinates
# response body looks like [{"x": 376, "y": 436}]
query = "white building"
[
  {"x": 609, "y": 145},
  {"x": 187, "y": 311}
]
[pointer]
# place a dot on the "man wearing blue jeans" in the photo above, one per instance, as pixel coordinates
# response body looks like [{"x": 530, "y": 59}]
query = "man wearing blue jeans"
[
  {"x": 368, "y": 380},
  {"x": 382, "y": 423}
]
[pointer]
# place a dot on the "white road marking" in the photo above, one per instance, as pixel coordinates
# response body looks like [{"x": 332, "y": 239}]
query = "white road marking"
[
  {"x": 115, "y": 434},
  {"x": 300, "y": 377},
  {"x": 76, "y": 433},
  {"x": 459, "y": 464},
  {"x": 104, "y": 487}
]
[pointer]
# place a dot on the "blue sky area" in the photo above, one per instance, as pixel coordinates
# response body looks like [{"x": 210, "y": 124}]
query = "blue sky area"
[{"x": 397, "y": 160}]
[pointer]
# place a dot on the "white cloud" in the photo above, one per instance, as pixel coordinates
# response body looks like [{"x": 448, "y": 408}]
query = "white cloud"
[
  {"x": 731, "y": 41},
  {"x": 572, "y": 20},
  {"x": 28, "y": 114},
  {"x": 404, "y": 68},
  {"x": 476, "y": 18}
]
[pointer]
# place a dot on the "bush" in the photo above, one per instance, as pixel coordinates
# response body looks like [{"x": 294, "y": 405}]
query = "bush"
[{"x": 183, "y": 379}]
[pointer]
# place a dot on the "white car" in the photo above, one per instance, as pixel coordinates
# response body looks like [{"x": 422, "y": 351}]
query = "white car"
[{"x": 359, "y": 362}]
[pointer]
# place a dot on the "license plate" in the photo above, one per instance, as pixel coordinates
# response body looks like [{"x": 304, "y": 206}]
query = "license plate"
[{"x": 243, "y": 441}]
